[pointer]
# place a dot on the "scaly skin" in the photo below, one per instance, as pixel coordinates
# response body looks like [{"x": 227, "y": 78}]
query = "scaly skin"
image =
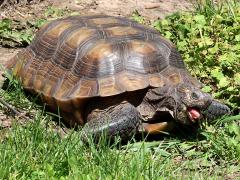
[
  {"x": 216, "y": 110},
  {"x": 121, "y": 120}
]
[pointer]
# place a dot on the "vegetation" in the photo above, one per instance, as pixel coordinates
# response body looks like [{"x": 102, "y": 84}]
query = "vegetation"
[
  {"x": 15, "y": 33},
  {"x": 209, "y": 42}
]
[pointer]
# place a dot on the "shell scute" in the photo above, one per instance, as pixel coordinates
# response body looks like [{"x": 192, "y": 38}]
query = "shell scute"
[
  {"x": 122, "y": 31},
  {"x": 156, "y": 80},
  {"x": 79, "y": 36},
  {"x": 103, "y": 20},
  {"x": 132, "y": 81},
  {"x": 58, "y": 29}
]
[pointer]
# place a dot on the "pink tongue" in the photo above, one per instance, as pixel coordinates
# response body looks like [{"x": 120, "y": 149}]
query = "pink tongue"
[{"x": 195, "y": 114}]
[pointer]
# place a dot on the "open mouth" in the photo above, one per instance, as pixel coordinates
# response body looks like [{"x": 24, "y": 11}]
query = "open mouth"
[{"x": 194, "y": 114}]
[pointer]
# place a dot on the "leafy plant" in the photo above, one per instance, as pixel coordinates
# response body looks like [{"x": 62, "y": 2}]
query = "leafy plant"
[
  {"x": 136, "y": 16},
  {"x": 208, "y": 40},
  {"x": 224, "y": 140},
  {"x": 14, "y": 33}
]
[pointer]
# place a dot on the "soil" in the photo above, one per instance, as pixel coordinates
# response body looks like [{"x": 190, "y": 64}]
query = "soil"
[
  {"x": 33, "y": 9},
  {"x": 151, "y": 9}
]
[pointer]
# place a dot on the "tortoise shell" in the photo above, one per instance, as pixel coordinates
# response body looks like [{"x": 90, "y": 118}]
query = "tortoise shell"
[{"x": 73, "y": 59}]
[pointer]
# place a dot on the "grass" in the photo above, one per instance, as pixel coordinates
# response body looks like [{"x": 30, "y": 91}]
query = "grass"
[{"x": 37, "y": 150}]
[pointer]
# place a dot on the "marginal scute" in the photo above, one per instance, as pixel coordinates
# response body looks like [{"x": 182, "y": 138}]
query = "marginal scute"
[
  {"x": 172, "y": 75},
  {"x": 109, "y": 86},
  {"x": 175, "y": 78},
  {"x": 86, "y": 88},
  {"x": 17, "y": 63},
  {"x": 18, "y": 67},
  {"x": 38, "y": 82},
  {"x": 47, "y": 89},
  {"x": 26, "y": 81},
  {"x": 175, "y": 59},
  {"x": 156, "y": 80},
  {"x": 62, "y": 89}
]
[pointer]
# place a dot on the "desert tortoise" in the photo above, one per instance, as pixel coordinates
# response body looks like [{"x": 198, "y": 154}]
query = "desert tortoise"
[{"x": 110, "y": 74}]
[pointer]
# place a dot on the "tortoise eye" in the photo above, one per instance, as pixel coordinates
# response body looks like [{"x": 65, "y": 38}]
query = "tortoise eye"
[{"x": 195, "y": 96}]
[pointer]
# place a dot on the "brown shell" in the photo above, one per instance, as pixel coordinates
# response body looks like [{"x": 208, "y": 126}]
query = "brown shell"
[{"x": 78, "y": 57}]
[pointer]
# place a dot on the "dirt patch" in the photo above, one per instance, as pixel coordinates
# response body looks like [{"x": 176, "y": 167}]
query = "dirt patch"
[
  {"x": 151, "y": 10},
  {"x": 6, "y": 54}
]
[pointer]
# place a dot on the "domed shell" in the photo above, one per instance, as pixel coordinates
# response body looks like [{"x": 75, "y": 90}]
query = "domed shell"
[{"x": 82, "y": 57}]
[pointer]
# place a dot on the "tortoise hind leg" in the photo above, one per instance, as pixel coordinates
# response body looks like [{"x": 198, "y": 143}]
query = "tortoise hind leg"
[{"x": 120, "y": 120}]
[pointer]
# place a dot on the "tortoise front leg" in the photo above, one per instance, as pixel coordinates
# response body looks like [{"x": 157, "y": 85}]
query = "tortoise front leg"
[
  {"x": 216, "y": 110},
  {"x": 120, "y": 120}
]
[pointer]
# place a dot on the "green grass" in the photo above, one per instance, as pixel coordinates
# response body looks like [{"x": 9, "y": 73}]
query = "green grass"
[{"x": 37, "y": 150}]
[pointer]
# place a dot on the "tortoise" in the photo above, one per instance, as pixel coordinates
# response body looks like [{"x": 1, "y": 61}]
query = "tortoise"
[{"x": 111, "y": 74}]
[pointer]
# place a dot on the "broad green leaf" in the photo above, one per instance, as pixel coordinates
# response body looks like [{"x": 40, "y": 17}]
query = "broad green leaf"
[
  {"x": 223, "y": 82},
  {"x": 168, "y": 34},
  {"x": 200, "y": 20},
  {"x": 234, "y": 128},
  {"x": 227, "y": 59},
  {"x": 182, "y": 45},
  {"x": 207, "y": 89},
  {"x": 237, "y": 78},
  {"x": 230, "y": 88},
  {"x": 218, "y": 19},
  {"x": 237, "y": 37},
  {"x": 208, "y": 41},
  {"x": 164, "y": 22},
  {"x": 214, "y": 49},
  {"x": 216, "y": 73}
]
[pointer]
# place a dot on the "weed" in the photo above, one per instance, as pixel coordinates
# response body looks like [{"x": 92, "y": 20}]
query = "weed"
[
  {"x": 208, "y": 40},
  {"x": 15, "y": 33}
]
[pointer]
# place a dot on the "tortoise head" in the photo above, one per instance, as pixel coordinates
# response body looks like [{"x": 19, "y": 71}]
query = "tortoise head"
[
  {"x": 186, "y": 103},
  {"x": 191, "y": 102}
]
